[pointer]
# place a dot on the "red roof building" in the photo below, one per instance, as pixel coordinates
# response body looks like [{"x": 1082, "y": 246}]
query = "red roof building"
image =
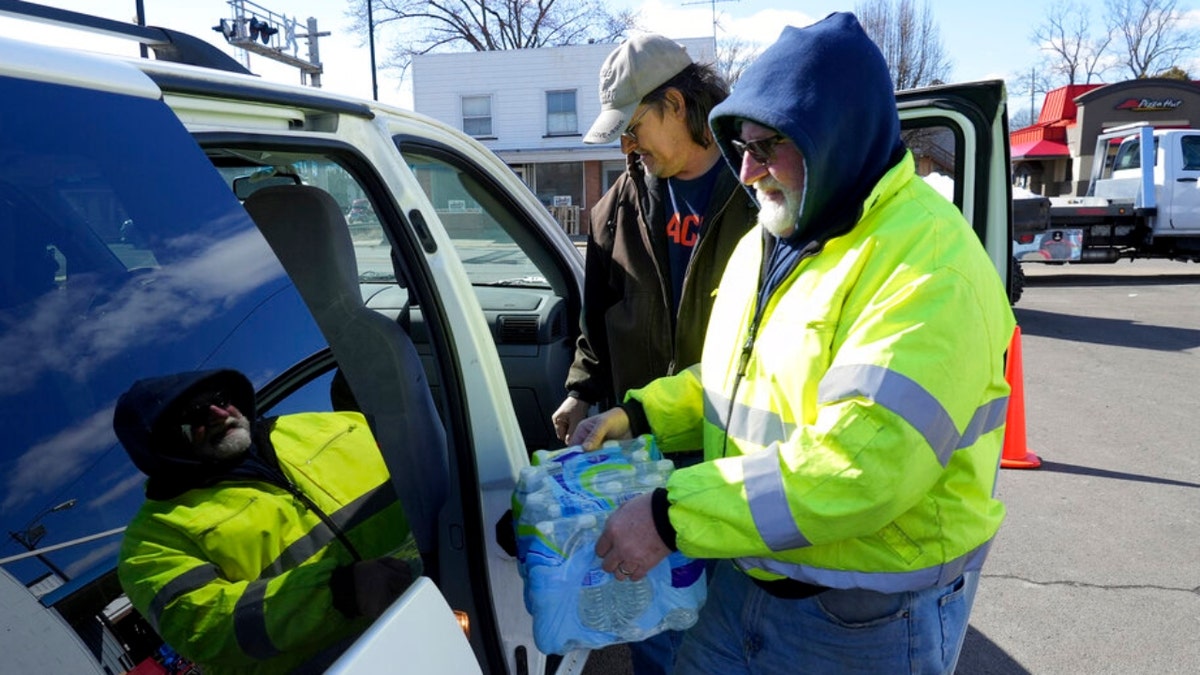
[
  {"x": 1047, "y": 138},
  {"x": 1053, "y": 157}
]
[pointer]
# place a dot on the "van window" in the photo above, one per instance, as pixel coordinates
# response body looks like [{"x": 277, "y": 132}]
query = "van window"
[
  {"x": 118, "y": 261},
  {"x": 372, "y": 248},
  {"x": 1129, "y": 155},
  {"x": 484, "y": 228},
  {"x": 1190, "y": 145}
]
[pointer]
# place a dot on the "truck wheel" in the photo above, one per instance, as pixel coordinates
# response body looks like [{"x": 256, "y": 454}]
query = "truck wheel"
[{"x": 1016, "y": 282}]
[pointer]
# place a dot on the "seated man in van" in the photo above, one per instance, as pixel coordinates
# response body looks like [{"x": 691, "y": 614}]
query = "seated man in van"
[{"x": 264, "y": 546}]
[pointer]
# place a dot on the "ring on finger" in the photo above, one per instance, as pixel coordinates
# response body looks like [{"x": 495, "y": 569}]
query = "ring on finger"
[{"x": 623, "y": 571}]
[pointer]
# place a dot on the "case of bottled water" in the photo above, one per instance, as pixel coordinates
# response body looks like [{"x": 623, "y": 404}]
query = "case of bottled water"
[{"x": 560, "y": 506}]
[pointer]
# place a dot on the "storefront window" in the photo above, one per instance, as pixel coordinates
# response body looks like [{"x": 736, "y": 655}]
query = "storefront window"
[{"x": 560, "y": 183}]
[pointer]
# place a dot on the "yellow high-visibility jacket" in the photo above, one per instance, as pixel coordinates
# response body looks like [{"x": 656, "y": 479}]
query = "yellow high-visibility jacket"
[
  {"x": 856, "y": 444},
  {"x": 236, "y": 576}
]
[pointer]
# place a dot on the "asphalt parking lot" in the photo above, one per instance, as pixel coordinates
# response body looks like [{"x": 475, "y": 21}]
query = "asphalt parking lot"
[{"x": 1097, "y": 567}]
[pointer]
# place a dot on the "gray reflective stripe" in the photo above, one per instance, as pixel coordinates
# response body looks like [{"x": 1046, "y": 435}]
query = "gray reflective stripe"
[
  {"x": 899, "y": 394},
  {"x": 300, "y": 550},
  {"x": 715, "y": 407},
  {"x": 987, "y": 418},
  {"x": 347, "y": 518},
  {"x": 881, "y": 582},
  {"x": 250, "y": 623},
  {"x": 767, "y": 499},
  {"x": 914, "y": 404},
  {"x": 195, "y": 578},
  {"x": 889, "y": 389},
  {"x": 761, "y": 427}
]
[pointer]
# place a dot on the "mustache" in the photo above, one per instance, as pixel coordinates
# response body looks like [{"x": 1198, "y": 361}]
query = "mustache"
[
  {"x": 226, "y": 425},
  {"x": 767, "y": 183}
]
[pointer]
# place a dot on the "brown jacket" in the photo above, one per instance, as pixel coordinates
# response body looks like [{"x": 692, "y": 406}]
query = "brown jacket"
[{"x": 630, "y": 335}]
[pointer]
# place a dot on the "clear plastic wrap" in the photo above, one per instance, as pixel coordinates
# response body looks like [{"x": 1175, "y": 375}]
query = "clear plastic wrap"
[{"x": 560, "y": 506}]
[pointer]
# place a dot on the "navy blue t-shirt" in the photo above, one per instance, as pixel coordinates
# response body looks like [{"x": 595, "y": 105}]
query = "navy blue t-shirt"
[{"x": 688, "y": 200}]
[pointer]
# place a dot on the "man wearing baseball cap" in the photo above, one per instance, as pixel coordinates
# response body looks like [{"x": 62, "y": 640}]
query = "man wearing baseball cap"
[{"x": 658, "y": 241}]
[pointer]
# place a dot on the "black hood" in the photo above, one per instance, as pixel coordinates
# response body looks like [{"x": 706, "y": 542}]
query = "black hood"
[
  {"x": 828, "y": 89},
  {"x": 160, "y": 450}
]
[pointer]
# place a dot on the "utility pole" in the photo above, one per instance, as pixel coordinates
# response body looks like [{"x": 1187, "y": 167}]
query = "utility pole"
[
  {"x": 32, "y": 534},
  {"x": 1033, "y": 116},
  {"x": 140, "y": 7},
  {"x": 371, "y": 39}
]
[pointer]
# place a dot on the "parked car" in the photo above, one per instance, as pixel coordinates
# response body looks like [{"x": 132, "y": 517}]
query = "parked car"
[{"x": 128, "y": 249}]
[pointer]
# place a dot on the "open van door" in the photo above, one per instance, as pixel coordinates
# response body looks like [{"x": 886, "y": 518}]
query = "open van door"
[
  {"x": 423, "y": 620},
  {"x": 959, "y": 137}
]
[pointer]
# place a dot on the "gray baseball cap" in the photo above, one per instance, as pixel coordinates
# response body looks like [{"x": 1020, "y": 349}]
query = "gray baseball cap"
[{"x": 636, "y": 68}]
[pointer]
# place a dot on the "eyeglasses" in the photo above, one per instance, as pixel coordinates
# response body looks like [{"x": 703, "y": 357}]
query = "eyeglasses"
[
  {"x": 197, "y": 412},
  {"x": 630, "y": 133},
  {"x": 762, "y": 150}
]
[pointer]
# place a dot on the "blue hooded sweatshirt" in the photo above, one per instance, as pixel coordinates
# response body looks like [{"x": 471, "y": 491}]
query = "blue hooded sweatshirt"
[
  {"x": 143, "y": 422},
  {"x": 828, "y": 89}
]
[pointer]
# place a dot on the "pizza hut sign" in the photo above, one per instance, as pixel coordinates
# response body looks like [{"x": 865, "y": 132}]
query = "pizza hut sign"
[{"x": 1149, "y": 104}]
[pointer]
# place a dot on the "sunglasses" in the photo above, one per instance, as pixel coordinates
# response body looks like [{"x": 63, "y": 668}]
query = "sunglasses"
[
  {"x": 630, "y": 133},
  {"x": 762, "y": 150},
  {"x": 197, "y": 412}
]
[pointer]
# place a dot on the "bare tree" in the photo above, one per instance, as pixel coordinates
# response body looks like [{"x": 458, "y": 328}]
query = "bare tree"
[
  {"x": 1021, "y": 118},
  {"x": 489, "y": 25},
  {"x": 1035, "y": 84},
  {"x": 1065, "y": 33},
  {"x": 733, "y": 56},
  {"x": 1151, "y": 34},
  {"x": 909, "y": 39}
]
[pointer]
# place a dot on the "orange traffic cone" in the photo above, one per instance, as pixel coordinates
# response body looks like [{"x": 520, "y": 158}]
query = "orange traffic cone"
[{"x": 1016, "y": 455}]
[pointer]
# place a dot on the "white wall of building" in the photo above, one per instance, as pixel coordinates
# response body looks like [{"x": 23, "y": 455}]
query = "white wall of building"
[{"x": 517, "y": 81}]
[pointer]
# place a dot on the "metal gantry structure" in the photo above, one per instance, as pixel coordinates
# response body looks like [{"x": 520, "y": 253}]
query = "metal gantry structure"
[
  {"x": 712, "y": 3},
  {"x": 254, "y": 28}
]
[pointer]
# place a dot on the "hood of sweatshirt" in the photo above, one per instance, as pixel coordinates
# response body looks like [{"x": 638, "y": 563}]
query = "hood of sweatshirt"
[
  {"x": 146, "y": 415},
  {"x": 828, "y": 89}
]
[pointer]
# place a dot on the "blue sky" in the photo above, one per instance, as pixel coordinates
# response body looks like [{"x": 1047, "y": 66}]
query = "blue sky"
[{"x": 983, "y": 40}]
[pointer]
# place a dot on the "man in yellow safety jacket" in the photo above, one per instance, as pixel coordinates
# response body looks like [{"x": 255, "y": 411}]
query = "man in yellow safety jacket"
[
  {"x": 850, "y": 398},
  {"x": 264, "y": 546}
]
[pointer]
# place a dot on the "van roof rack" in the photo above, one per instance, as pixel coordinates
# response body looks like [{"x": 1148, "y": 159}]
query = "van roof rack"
[{"x": 168, "y": 45}]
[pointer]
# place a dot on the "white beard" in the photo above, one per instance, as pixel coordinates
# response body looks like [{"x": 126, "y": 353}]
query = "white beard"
[
  {"x": 778, "y": 219},
  {"x": 235, "y": 442}
]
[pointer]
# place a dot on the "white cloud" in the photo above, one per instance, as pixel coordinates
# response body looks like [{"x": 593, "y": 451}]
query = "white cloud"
[
  {"x": 679, "y": 21},
  {"x": 117, "y": 491},
  {"x": 104, "y": 552},
  {"x": 764, "y": 27}
]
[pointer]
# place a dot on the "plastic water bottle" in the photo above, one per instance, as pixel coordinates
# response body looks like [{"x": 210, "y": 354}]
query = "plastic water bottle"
[
  {"x": 531, "y": 478},
  {"x": 565, "y": 498},
  {"x": 595, "y": 593},
  {"x": 680, "y": 618},
  {"x": 617, "y": 491},
  {"x": 541, "y": 506},
  {"x": 567, "y": 532},
  {"x": 595, "y": 600},
  {"x": 652, "y": 474},
  {"x": 630, "y": 600}
]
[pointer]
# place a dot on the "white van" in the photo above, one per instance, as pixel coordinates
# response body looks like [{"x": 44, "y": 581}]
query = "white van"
[{"x": 125, "y": 252}]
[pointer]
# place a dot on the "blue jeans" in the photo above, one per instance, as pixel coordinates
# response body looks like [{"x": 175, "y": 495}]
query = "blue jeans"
[
  {"x": 656, "y": 654},
  {"x": 743, "y": 629}
]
